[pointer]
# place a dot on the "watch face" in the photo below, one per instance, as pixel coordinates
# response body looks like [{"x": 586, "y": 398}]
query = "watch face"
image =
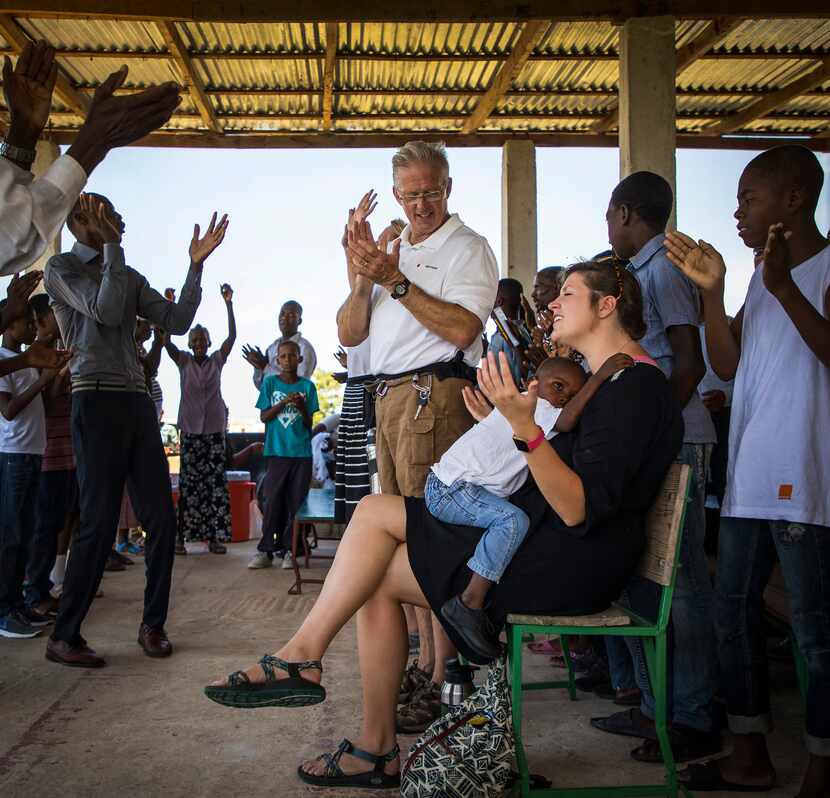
[{"x": 521, "y": 445}]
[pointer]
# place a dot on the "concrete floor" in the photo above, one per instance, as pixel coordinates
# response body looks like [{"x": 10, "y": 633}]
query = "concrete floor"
[{"x": 142, "y": 727}]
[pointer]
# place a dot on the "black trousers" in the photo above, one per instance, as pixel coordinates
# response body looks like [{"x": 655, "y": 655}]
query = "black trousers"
[
  {"x": 117, "y": 442},
  {"x": 284, "y": 490}
]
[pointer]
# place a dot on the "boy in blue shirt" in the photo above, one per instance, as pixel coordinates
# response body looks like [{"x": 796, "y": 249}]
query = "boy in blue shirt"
[{"x": 287, "y": 403}]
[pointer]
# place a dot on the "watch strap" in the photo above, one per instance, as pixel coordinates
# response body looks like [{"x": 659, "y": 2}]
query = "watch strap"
[{"x": 17, "y": 154}]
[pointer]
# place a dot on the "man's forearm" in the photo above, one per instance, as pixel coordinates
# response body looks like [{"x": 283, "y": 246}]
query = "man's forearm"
[
  {"x": 446, "y": 319},
  {"x": 813, "y": 328},
  {"x": 353, "y": 317},
  {"x": 723, "y": 349}
]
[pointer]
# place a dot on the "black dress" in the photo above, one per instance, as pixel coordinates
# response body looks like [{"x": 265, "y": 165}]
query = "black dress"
[{"x": 628, "y": 436}]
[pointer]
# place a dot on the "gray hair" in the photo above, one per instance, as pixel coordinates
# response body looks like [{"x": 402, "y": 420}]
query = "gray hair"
[{"x": 431, "y": 152}]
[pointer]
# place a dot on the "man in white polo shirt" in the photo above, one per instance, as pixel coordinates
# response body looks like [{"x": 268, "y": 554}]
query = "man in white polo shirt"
[{"x": 423, "y": 305}]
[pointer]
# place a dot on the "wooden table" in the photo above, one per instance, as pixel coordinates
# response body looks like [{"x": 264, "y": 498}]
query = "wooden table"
[{"x": 318, "y": 508}]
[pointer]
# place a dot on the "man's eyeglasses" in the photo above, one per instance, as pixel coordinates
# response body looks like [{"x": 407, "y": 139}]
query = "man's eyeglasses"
[{"x": 428, "y": 196}]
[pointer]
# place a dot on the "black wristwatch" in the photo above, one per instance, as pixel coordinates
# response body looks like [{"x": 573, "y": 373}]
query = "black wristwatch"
[{"x": 401, "y": 289}]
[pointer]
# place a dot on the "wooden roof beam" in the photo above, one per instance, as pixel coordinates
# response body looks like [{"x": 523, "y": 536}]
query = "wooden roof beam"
[
  {"x": 773, "y": 101},
  {"x": 188, "y": 75},
  {"x": 332, "y": 35},
  {"x": 398, "y": 10},
  {"x": 715, "y": 32},
  {"x": 65, "y": 91},
  {"x": 530, "y": 36}
]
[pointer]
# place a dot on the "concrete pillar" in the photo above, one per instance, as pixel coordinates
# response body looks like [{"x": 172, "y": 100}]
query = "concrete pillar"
[
  {"x": 518, "y": 212},
  {"x": 647, "y": 98},
  {"x": 47, "y": 153}
]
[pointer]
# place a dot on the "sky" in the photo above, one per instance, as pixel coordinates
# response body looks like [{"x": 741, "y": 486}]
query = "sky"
[{"x": 288, "y": 207}]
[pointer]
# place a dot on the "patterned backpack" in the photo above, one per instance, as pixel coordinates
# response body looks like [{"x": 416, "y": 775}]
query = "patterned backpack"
[{"x": 469, "y": 751}]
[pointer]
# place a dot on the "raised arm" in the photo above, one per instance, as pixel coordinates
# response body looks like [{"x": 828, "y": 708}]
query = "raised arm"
[
  {"x": 172, "y": 350},
  {"x": 704, "y": 266},
  {"x": 227, "y": 344},
  {"x": 17, "y": 297},
  {"x": 355, "y": 313},
  {"x": 560, "y": 485},
  {"x": 153, "y": 359}
]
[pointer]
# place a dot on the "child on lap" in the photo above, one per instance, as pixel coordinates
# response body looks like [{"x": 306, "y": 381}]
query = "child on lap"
[{"x": 471, "y": 483}]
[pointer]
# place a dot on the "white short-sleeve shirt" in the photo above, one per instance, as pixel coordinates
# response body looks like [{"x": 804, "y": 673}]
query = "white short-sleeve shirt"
[{"x": 455, "y": 264}]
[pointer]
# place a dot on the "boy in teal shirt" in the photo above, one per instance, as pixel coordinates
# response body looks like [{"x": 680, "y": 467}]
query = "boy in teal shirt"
[{"x": 287, "y": 404}]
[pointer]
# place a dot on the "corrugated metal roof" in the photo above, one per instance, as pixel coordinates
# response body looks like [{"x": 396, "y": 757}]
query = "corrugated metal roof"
[{"x": 430, "y": 76}]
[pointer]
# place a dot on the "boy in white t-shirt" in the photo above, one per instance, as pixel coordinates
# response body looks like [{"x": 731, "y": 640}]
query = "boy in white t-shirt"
[
  {"x": 22, "y": 442},
  {"x": 471, "y": 484},
  {"x": 777, "y": 502}
]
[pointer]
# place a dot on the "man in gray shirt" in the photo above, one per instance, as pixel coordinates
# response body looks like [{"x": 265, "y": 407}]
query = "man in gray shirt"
[
  {"x": 96, "y": 298},
  {"x": 637, "y": 216}
]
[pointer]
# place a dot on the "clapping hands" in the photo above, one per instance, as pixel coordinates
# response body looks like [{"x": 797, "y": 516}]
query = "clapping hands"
[
  {"x": 27, "y": 89},
  {"x": 700, "y": 262},
  {"x": 255, "y": 356}
]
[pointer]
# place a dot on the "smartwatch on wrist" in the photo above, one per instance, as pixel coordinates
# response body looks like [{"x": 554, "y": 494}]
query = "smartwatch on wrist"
[
  {"x": 401, "y": 289},
  {"x": 528, "y": 446}
]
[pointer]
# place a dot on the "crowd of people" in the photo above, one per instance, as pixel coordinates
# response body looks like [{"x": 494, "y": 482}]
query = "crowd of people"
[{"x": 512, "y": 475}]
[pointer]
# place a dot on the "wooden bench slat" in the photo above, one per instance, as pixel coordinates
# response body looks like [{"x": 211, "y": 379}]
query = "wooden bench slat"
[{"x": 613, "y": 616}]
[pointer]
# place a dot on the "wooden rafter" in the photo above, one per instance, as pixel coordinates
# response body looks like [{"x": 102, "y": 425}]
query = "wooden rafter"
[
  {"x": 399, "y": 10},
  {"x": 65, "y": 91},
  {"x": 188, "y": 75},
  {"x": 773, "y": 101},
  {"x": 332, "y": 35},
  {"x": 530, "y": 36},
  {"x": 716, "y": 31}
]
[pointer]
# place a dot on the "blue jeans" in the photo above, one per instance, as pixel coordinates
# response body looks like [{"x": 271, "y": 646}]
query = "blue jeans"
[
  {"x": 746, "y": 556},
  {"x": 620, "y": 666},
  {"x": 505, "y": 525},
  {"x": 19, "y": 475},
  {"x": 693, "y": 672},
  {"x": 56, "y": 494}
]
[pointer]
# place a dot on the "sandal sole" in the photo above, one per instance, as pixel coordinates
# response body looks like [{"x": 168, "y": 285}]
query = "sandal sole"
[
  {"x": 358, "y": 780},
  {"x": 251, "y": 699}
]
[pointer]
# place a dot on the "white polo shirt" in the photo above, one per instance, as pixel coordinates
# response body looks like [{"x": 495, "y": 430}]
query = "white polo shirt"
[{"x": 455, "y": 265}]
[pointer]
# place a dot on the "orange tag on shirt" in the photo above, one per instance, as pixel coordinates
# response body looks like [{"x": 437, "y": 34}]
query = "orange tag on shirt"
[{"x": 785, "y": 492}]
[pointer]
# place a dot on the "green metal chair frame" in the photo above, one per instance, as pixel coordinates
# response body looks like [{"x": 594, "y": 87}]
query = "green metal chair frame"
[{"x": 664, "y": 528}]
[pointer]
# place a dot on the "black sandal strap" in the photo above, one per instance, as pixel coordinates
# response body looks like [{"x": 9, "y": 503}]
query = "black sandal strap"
[
  {"x": 238, "y": 679},
  {"x": 332, "y": 760},
  {"x": 271, "y": 664}
]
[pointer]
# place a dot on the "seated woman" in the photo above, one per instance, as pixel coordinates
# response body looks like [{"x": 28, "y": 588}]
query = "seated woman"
[{"x": 587, "y": 500}]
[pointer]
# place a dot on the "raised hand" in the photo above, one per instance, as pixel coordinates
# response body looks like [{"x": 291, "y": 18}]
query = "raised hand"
[
  {"x": 28, "y": 92},
  {"x": 367, "y": 204},
  {"x": 254, "y": 356},
  {"x": 227, "y": 293},
  {"x": 478, "y": 407},
  {"x": 777, "y": 273},
  {"x": 342, "y": 357},
  {"x": 170, "y": 294},
  {"x": 700, "y": 262},
  {"x": 200, "y": 248},
  {"x": 614, "y": 364},
  {"x": 17, "y": 296},
  {"x": 544, "y": 319},
  {"x": 496, "y": 383},
  {"x": 368, "y": 261},
  {"x": 117, "y": 121},
  {"x": 102, "y": 222},
  {"x": 40, "y": 356}
]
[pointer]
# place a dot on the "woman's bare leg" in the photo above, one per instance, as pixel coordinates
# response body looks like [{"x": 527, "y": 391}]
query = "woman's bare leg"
[
  {"x": 376, "y": 531},
  {"x": 382, "y": 644}
]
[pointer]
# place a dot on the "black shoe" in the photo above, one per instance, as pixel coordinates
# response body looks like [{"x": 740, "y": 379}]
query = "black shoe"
[
  {"x": 687, "y": 745},
  {"x": 629, "y": 723},
  {"x": 122, "y": 558},
  {"x": 475, "y": 628},
  {"x": 114, "y": 564},
  {"x": 33, "y": 617}
]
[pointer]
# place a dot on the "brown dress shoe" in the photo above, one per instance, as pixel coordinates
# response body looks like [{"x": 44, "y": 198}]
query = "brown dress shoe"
[
  {"x": 80, "y": 656},
  {"x": 154, "y": 641}
]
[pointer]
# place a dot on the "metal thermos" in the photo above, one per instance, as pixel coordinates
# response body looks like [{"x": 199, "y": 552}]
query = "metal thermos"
[
  {"x": 372, "y": 456},
  {"x": 458, "y": 684}
]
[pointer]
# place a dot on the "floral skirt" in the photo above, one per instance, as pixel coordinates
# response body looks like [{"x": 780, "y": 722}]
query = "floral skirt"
[{"x": 204, "y": 504}]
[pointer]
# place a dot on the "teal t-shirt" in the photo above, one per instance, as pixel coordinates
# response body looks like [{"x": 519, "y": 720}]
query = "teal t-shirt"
[{"x": 286, "y": 435}]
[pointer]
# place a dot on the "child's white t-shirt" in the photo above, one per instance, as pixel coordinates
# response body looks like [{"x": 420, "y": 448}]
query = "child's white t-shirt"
[
  {"x": 486, "y": 455},
  {"x": 26, "y": 432},
  {"x": 779, "y": 457}
]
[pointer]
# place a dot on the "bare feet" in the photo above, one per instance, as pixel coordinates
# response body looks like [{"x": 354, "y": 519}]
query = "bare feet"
[
  {"x": 351, "y": 765},
  {"x": 749, "y": 775},
  {"x": 256, "y": 674}
]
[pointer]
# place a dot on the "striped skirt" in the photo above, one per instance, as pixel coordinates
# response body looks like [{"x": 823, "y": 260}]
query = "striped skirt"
[{"x": 351, "y": 476}]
